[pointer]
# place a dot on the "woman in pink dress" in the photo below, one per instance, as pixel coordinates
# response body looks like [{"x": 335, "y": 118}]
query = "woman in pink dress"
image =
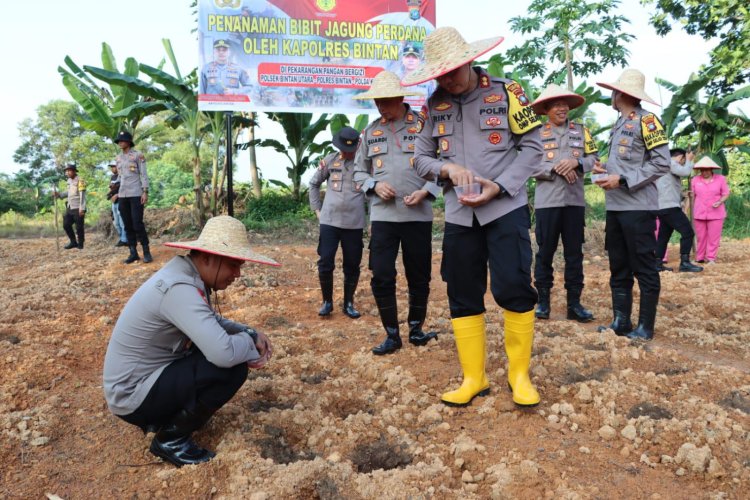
[{"x": 710, "y": 191}]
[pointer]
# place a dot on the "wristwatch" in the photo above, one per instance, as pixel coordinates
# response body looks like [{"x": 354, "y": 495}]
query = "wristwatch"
[
  {"x": 253, "y": 334},
  {"x": 623, "y": 182},
  {"x": 502, "y": 191}
]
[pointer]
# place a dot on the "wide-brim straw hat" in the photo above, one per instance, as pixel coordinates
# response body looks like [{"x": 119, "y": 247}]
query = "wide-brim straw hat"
[
  {"x": 225, "y": 236},
  {"x": 385, "y": 84},
  {"x": 631, "y": 82},
  {"x": 445, "y": 50},
  {"x": 552, "y": 93},
  {"x": 706, "y": 163}
]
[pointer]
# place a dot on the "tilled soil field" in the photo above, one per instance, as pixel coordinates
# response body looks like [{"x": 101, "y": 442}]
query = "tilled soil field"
[{"x": 326, "y": 419}]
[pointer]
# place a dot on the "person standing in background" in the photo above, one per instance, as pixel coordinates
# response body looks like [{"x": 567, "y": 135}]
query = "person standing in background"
[
  {"x": 133, "y": 196},
  {"x": 75, "y": 208},
  {"x": 114, "y": 189},
  {"x": 710, "y": 191}
]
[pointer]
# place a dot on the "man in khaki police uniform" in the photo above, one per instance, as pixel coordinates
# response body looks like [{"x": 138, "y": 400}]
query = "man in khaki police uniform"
[
  {"x": 221, "y": 76},
  {"x": 638, "y": 156},
  {"x": 342, "y": 219},
  {"x": 133, "y": 195},
  {"x": 401, "y": 210},
  {"x": 75, "y": 210},
  {"x": 569, "y": 152},
  {"x": 480, "y": 129}
]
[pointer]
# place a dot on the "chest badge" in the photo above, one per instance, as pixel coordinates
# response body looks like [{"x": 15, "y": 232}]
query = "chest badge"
[
  {"x": 493, "y": 98},
  {"x": 379, "y": 163},
  {"x": 494, "y": 138},
  {"x": 443, "y": 106},
  {"x": 493, "y": 121},
  {"x": 441, "y": 128},
  {"x": 377, "y": 133},
  {"x": 445, "y": 145}
]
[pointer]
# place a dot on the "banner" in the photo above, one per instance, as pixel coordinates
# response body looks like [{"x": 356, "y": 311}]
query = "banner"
[{"x": 306, "y": 55}]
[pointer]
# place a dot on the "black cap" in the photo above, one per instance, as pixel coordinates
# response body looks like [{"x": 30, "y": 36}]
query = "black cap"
[
  {"x": 676, "y": 152},
  {"x": 71, "y": 166},
  {"x": 221, "y": 43},
  {"x": 125, "y": 136},
  {"x": 412, "y": 48},
  {"x": 346, "y": 140}
]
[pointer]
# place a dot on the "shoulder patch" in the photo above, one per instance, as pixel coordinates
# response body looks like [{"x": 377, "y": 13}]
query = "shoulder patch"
[
  {"x": 521, "y": 117},
  {"x": 653, "y": 132},
  {"x": 81, "y": 185},
  {"x": 589, "y": 144}
]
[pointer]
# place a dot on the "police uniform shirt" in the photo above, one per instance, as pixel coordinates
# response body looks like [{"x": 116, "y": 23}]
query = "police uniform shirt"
[
  {"x": 489, "y": 131},
  {"x": 76, "y": 193},
  {"x": 215, "y": 78},
  {"x": 670, "y": 185},
  {"x": 568, "y": 141},
  {"x": 638, "y": 152},
  {"x": 157, "y": 325},
  {"x": 385, "y": 154},
  {"x": 344, "y": 203},
  {"x": 131, "y": 168}
]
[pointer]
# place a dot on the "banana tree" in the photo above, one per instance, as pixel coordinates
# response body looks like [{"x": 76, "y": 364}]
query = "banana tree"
[
  {"x": 302, "y": 150},
  {"x": 166, "y": 92},
  {"x": 101, "y": 104},
  {"x": 716, "y": 128}
]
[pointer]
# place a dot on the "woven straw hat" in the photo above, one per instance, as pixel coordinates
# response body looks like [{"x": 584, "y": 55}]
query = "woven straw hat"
[
  {"x": 552, "y": 93},
  {"x": 385, "y": 84},
  {"x": 706, "y": 162},
  {"x": 226, "y": 236},
  {"x": 631, "y": 82},
  {"x": 445, "y": 50}
]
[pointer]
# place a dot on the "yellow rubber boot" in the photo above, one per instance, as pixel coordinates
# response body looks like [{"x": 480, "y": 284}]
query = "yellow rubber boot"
[
  {"x": 470, "y": 344},
  {"x": 519, "y": 337}
]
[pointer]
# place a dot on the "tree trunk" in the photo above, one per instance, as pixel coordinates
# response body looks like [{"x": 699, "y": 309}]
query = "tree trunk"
[
  {"x": 214, "y": 178},
  {"x": 198, "y": 206},
  {"x": 568, "y": 64},
  {"x": 254, "y": 177}
]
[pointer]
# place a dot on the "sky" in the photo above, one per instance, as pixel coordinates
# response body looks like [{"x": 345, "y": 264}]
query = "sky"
[{"x": 37, "y": 36}]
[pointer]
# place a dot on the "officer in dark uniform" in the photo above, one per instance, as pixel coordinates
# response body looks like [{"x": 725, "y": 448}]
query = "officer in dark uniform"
[
  {"x": 559, "y": 205},
  {"x": 479, "y": 129},
  {"x": 222, "y": 76},
  {"x": 342, "y": 219},
  {"x": 113, "y": 195},
  {"x": 133, "y": 196},
  {"x": 75, "y": 211},
  {"x": 401, "y": 210},
  {"x": 638, "y": 156}
]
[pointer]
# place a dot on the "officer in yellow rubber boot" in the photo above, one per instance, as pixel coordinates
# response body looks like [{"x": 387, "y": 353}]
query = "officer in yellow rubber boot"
[{"x": 477, "y": 136}]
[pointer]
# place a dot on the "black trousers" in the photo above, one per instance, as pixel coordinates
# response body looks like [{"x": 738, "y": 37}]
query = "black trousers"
[
  {"x": 503, "y": 243},
  {"x": 671, "y": 220},
  {"x": 72, "y": 217},
  {"x": 182, "y": 385},
  {"x": 551, "y": 224},
  {"x": 351, "y": 247},
  {"x": 631, "y": 245},
  {"x": 131, "y": 210},
  {"x": 415, "y": 239}
]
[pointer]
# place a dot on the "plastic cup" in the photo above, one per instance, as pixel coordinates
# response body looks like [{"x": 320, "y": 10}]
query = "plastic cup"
[{"x": 468, "y": 190}]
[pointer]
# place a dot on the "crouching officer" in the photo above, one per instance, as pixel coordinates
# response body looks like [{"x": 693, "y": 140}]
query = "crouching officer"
[
  {"x": 401, "y": 210},
  {"x": 569, "y": 152},
  {"x": 481, "y": 129},
  {"x": 172, "y": 361},
  {"x": 342, "y": 219},
  {"x": 133, "y": 196},
  {"x": 75, "y": 211},
  {"x": 638, "y": 156}
]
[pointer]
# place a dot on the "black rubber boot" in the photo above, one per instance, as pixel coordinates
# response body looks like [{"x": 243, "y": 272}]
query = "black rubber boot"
[
  {"x": 70, "y": 245},
  {"x": 173, "y": 443},
  {"x": 660, "y": 265},
  {"x": 80, "y": 244},
  {"x": 350, "y": 286},
  {"x": 417, "y": 315},
  {"x": 622, "y": 308},
  {"x": 543, "y": 306},
  {"x": 389, "y": 316},
  {"x": 688, "y": 267},
  {"x": 133, "y": 254},
  {"x": 326, "y": 288},
  {"x": 576, "y": 311},
  {"x": 121, "y": 243},
  {"x": 646, "y": 317},
  {"x": 147, "y": 253}
]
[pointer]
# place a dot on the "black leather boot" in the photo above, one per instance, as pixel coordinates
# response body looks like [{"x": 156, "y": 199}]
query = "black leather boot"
[
  {"x": 173, "y": 442},
  {"x": 389, "y": 316},
  {"x": 133, "y": 254},
  {"x": 417, "y": 314},
  {"x": 543, "y": 307},
  {"x": 326, "y": 288},
  {"x": 646, "y": 317},
  {"x": 350, "y": 285},
  {"x": 622, "y": 308},
  {"x": 660, "y": 265},
  {"x": 80, "y": 244},
  {"x": 147, "y": 253},
  {"x": 688, "y": 267},
  {"x": 576, "y": 311},
  {"x": 72, "y": 244}
]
